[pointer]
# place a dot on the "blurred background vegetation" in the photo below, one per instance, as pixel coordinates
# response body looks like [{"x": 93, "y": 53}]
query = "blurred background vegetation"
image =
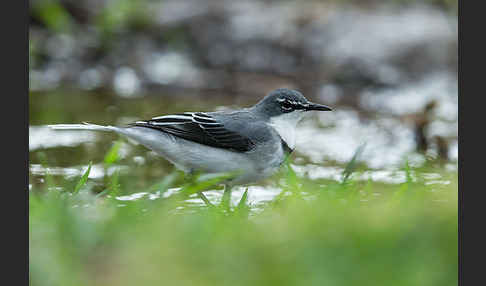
[
  {"x": 216, "y": 47},
  {"x": 389, "y": 70}
]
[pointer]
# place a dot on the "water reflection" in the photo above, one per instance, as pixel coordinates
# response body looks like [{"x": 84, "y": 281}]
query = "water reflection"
[
  {"x": 42, "y": 137},
  {"x": 387, "y": 140},
  {"x": 258, "y": 196},
  {"x": 98, "y": 171}
]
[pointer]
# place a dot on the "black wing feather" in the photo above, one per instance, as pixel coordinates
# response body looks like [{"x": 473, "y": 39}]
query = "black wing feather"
[{"x": 201, "y": 128}]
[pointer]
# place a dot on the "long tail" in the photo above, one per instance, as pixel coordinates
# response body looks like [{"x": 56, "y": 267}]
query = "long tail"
[{"x": 84, "y": 126}]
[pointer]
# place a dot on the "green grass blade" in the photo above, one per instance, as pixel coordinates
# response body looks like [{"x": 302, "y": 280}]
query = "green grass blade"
[
  {"x": 244, "y": 198},
  {"x": 164, "y": 184},
  {"x": 114, "y": 183},
  {"x": 351, "y": 166},
  {"x": 204, "y": 182},
  {"x": 112, "y": 156},
  {"x": 292, "y": 177},
  {"x": 83, "y": 179},
  {"x": 105, "y": 191}
]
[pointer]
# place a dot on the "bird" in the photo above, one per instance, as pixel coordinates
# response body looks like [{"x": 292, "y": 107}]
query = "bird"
[{"x": 251, "y": 142}]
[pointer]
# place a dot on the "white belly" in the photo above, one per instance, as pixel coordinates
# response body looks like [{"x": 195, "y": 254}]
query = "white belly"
[{"x": 187, "y": 155}]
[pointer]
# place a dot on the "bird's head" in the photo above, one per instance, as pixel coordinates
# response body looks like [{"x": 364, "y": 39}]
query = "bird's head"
[
  {"x": 283, "y": 108},
  {"x": 286, "y": 103}
]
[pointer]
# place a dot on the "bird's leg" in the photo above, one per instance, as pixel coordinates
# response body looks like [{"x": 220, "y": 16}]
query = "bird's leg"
[
  {"x": 225, "y": 202},
  {"x": 190, "y": 175}
]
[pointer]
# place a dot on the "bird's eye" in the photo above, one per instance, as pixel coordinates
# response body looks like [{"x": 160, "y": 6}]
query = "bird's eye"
[{"x": 287, "y": 106}]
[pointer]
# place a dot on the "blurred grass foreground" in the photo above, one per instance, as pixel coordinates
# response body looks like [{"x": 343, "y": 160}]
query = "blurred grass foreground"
[{"x": 344, "y": 232}]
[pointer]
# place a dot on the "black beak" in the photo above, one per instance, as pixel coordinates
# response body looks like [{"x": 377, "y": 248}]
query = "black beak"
[{"x": 318, "y": 107}]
